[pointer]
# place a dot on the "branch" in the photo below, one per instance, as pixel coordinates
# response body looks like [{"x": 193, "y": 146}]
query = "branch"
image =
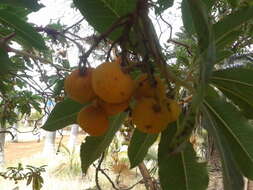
[
  {"x": 181, "y": 44},
  {"x": 98, "y": 169},
  {"x": 78, "y": 22},
  {"x": 121, "y": 21},
  {"x": 12, "y": 136}
]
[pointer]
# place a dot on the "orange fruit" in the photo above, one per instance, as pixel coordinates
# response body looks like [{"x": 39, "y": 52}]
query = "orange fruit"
[
  {"x": 113, "y": 109},
  {"x": 111, "y": 84},
  {"x": 93, "y": 120},
  {"x": 150, "y": 116},
  {"x": 78, "y": 87},
  {"x": 143, "y": 87},
  {"x": 174, "y": 109}
]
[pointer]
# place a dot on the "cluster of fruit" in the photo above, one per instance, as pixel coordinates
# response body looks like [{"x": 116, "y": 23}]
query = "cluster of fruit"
[{"x": 110, "y": 90}]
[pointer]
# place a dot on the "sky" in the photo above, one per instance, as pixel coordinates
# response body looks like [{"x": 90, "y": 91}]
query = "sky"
[{"x": 55, "y": 10}]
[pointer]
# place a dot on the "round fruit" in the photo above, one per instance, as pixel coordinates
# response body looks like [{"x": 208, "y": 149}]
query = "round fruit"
[
  {"x": 149, "y": 116},
  {"x": 78, "y": 87},
  {"x": 174, "y": 109},
  {"x": 113, "y": 109},
  {"x": 111, "y": 84},
  {"x": 145, "y": 89},
  {"x": 93, "y": 120}
]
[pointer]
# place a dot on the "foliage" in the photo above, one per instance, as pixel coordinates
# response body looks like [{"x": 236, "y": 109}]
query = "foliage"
[
  {"x": 30, "y": 173},
  {"x": 211, "y": 75}
]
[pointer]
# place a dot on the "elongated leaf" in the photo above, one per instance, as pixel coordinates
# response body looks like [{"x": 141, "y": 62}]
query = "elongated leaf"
[
  {"x": 206, "y": 43},
  {"x": 92, "y": 148},
  {"x": 187, "y": 17},
  {"x": 63, "y": 114},
  {"x": 180, "y": 171},
  {"x": 101, "y": 14},
  {"x": 223, "y": 54},
  {"x": 232, "y": 177},
  {"x": 237, "y": 85},
  {"x": 237, "y": 131},
  {"x": 32, "y": 5},
  {"x": 228, "y": 40},
  {"x": 234, "y": 3},
  {"x": 22, "y": 29},
  {"x": 139, "y": 145},
  {"x": 227, "y": 25},
  {"x": 163, "y": 5},
  {"x": 5, "y": 62}
]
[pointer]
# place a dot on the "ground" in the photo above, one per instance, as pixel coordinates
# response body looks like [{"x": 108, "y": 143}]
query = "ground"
[
  {"x": 29, "y": 152},
  {"x": 19, "y": 150}
]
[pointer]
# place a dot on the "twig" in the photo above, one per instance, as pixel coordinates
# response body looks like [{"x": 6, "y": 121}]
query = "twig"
[
  {"x": 12, "y": 136},
  {"x": 78, "y": 22},
  {"x": 121, "y": 21},
  {"x": 98, "y": 169},
  {"x": 112, "y": 183},
  {"x": 181, "y": 44},
  {"x": 168, "y": 25}
]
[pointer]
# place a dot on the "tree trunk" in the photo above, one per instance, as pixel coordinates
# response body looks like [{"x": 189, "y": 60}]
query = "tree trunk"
[
  {"x": 15, "y": 132},
  {"x": 2, "y": 142},
  {"x": 250, "y": 185},
  {"x": 49, "y": 144},
  {"x": 73, "y": 136}
]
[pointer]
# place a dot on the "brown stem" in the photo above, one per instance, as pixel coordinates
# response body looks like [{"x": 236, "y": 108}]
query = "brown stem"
[{"x": 149, "y": 184}]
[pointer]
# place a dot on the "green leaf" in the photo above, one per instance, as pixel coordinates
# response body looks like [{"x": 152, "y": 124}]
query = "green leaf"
[
  {"x": 139, "y": 145},
  {"x": 234, "y": 3},
  {"x": 223, "y": 54},
  {"x": 59, "y": 86},
  {"x": 63, "y": 114},
  {"x": 187, "y": 17},
  {"x": 231, "y": 22},
  {"x": 237, "y": 131},
  {"x": 93, "y": 147},
  {"x": 228, "y": 39},
  {"x": 232, "y": 177},
  {"x": 237, "y": 85},
  {"x": 205, "y": 41},
  {"x": 22, "y": 29},
  {"x": 32, "y": 5},
  {"x": 180, "y": 171},
  {"x": 163, "y": 5},
  {"x": 5, "y": 62},
  {"x": 101, "y": 14}
]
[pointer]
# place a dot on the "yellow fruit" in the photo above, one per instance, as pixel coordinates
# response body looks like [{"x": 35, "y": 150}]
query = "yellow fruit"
[
  {"x": 113, "y": 109},
  {"x": 93, "y": 120},
  {"x": 78, "y": 87},
  {"x": 174, "y": 109},
  {"x": 143, "y": 87},
  {"x": 149, "y": 116},
  {"x": 111, "y": 84}
]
